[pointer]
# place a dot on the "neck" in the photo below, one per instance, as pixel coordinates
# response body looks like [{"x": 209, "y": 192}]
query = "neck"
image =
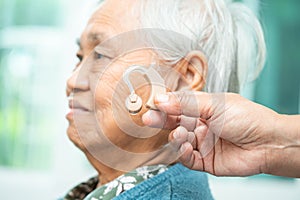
[{"x": 105, "y": 173}]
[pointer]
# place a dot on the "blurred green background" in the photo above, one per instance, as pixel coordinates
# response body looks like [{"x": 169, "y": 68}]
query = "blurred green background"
[
  {"x": 34, "y": 63},
  {"x": 25, "y": 135},
  {"x": 278, "y": 87}
]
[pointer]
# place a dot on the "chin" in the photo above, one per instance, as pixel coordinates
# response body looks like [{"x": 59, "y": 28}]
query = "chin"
[{"x": 75, "y": 138}]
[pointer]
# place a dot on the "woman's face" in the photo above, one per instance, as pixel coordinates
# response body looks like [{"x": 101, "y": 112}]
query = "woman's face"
[
  {"x": 98, "y": 120},
  {"x": 99, "y": 123}
]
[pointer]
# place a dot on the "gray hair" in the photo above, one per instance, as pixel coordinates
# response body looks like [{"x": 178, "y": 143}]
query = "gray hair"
[{"x": 228, "y": 33}]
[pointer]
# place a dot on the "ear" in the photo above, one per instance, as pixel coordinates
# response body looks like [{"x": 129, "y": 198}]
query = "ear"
[{"x": 193, "y": 70}]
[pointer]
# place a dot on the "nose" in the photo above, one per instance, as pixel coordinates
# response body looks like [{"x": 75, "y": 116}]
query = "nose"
[{"x": 78, "y": 81}]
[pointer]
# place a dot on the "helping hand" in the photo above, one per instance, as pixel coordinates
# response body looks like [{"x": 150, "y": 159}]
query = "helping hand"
[{"x": 223, "y": 134}]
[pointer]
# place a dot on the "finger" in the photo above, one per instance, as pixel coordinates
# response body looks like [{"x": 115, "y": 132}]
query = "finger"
[
  {"x": 186, "y": 157},
  {"x": 191, "y": 104},
  {"x": 157, "y": 119},
  {"x": 190, "y": 123},
  {"x": 190, "y": 158},
  {"x": 200, "y": 134},
  {"x": 179, "y": 136},
  {"x": 192, "y": 139},
  {"x": 208, "y": 142},
  {"x": 196, "y": 138}
]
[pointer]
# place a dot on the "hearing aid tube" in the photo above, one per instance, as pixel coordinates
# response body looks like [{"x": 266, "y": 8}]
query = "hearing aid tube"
[{"x": 133, "y": 102}]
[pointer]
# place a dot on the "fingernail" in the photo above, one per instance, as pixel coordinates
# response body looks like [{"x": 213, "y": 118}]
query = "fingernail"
[
  {"x": 162, "y": 98},
  {"x": 182, "y": 148},
  {"x": 191, "y": 137},
  {"x": 147, "y": 119},
  {"x": 176, "y": 134}
]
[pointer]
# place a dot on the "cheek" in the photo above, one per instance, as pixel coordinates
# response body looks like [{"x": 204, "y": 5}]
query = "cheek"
[
  {"x": 104, "y": 87},
  {"x": 109, "y": 98},
  {"x": 105, "y": 90}
]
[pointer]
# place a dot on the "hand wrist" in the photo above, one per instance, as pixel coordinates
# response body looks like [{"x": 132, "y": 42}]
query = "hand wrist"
[{"x": 283, "y": 154}]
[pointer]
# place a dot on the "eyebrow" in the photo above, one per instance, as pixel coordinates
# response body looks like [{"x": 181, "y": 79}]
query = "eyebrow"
[
  {"x": 93, "y": 38},
  {"x": 96, "y": 37}
]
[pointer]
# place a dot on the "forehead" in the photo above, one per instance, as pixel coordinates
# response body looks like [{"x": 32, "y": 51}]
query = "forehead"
[{"x": 111, "y": 18}]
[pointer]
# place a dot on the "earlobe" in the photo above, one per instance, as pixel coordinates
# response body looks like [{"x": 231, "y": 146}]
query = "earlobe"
[{"x": 193, "y": 69}]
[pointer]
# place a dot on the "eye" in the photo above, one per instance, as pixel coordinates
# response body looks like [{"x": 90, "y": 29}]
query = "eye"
[
  {"x": 98, "y": 55},
  {"x": 80, "y": 57}
]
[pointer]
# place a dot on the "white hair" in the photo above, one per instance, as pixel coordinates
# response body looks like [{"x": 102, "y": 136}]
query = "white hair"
[{"x": 228, "y": 33}]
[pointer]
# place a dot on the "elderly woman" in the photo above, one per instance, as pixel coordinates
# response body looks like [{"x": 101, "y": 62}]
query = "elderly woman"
[{"x": 193, "y": 45}]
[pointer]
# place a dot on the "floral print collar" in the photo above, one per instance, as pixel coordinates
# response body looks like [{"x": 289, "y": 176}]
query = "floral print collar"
[{"x": 88, "y": 190}]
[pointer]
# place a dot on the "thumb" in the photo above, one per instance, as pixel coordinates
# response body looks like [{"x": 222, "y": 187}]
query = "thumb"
[{"x": 189, "y": 103}]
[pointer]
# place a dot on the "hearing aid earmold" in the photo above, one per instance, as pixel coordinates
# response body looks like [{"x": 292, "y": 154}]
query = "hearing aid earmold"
[{"x": 133, "y": 102}]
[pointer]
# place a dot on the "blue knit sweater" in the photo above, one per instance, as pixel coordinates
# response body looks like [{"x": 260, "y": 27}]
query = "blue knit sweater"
[{"x": 177, "y": 183}]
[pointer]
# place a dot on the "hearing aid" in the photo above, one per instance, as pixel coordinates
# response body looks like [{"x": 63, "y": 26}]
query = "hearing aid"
[{"x": 133, "y": 102}]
